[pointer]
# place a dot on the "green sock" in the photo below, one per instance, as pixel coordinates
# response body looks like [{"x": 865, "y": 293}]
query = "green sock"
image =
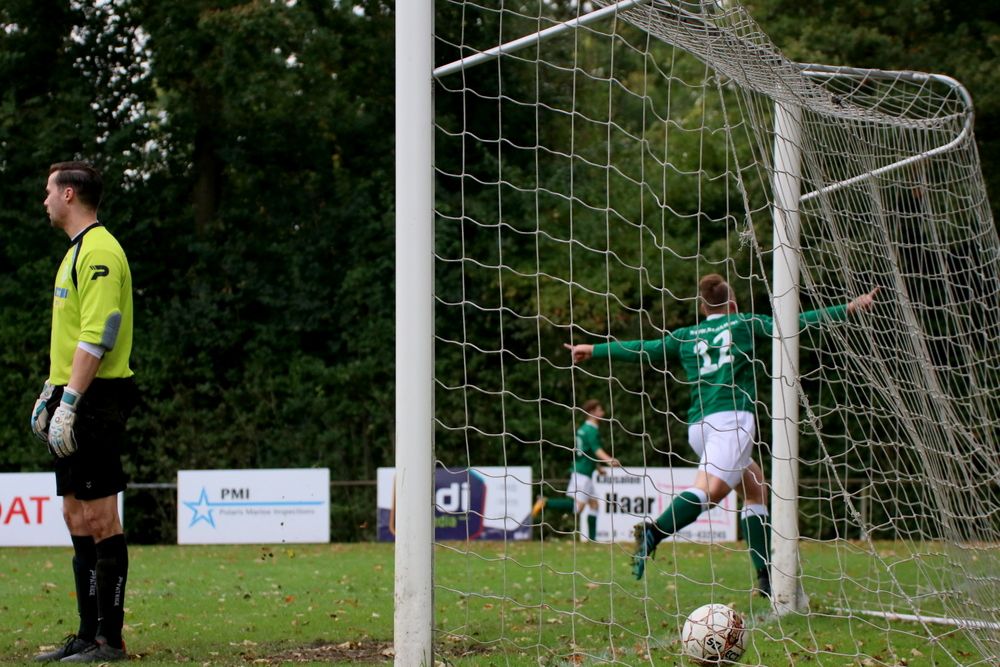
[
  {"x": 757, "y": 533},
  {"x": 684, "y": 509},
  {"x": 592, "y": 527},
  {"x": 564, "y": 504}
]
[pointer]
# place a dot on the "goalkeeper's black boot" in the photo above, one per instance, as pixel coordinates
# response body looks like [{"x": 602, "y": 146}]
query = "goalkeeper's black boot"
[
  {"x": 71, "y": 646},
  {"x": 100, "y": 651},
  {"x": 764, "y": 582}
]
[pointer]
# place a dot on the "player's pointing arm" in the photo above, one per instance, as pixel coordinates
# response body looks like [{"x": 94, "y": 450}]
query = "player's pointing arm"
[
  {"x": 864, "y": 302},
  {"x": 580, "y": 352}
]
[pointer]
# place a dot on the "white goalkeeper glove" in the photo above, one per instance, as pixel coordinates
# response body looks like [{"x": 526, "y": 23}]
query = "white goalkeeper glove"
[
  {"x": 62, "y": 441},
  {"x": 40, "y": 413}
]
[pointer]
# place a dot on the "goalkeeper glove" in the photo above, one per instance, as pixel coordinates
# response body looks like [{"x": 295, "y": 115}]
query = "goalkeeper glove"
[
  {"x": 40, "y": 413},
  {"x": 62, "y": 441}
]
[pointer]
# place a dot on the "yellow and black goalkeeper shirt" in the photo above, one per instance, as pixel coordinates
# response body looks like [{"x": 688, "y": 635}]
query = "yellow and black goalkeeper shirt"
[{"x": 92, "y": 303}]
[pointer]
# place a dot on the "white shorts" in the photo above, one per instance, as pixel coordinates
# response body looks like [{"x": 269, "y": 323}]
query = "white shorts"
[
  {"x": 581, "y": 488},
  {"x": 724, "y": 443}
]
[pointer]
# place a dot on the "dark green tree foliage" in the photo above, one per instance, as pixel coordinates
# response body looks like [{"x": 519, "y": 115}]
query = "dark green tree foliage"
[
  {"x": 248, "y": 152},
  {"x": 540, "y": 201},
  {"x": 72, "y": 87},
  {"x": 247, "y": 148}
]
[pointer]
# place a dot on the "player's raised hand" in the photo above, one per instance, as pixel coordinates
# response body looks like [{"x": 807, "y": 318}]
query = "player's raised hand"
[
  {"x": 580, "y": 352},
  {"x": 864, "y": 302}
]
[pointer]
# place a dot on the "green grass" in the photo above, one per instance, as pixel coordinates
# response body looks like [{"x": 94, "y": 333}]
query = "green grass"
[
  {"x": 218, "y": 605},
  {"x": 551, "y": 603}
]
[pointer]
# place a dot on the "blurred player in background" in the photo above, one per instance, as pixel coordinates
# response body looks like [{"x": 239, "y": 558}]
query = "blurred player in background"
[{"x": 587, "y": 457}]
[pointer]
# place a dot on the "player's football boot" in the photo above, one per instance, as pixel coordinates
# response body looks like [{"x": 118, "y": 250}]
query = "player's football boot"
[
  {"x": 764, "y": 582},
  {"x": 645, "y": 547},
  {"x": 537, "y": 508},
  {"x": 100, "y": 651},
  {"x": 71, "y": 646}
]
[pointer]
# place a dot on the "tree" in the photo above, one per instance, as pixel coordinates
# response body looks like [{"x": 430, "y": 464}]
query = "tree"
[{"x": 248, "y": 167}]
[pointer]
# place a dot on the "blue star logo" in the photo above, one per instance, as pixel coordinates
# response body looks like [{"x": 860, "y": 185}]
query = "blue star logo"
[{"x": 202, "y": 510}]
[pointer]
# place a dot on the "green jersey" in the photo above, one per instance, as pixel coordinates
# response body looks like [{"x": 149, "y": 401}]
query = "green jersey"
[
  {"x": 717, "y": 356},
  {"x": 92, "y": 303},
  {"x": 588, "y": 442}
]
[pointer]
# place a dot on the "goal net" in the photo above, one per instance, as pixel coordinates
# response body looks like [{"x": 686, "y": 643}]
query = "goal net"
[{"x": 591, "y": 164}]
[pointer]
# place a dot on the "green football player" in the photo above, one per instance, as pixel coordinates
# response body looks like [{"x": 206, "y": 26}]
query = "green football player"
[
  {"x": 717, "y": 356},
  {"x": 587, "y": 456}
]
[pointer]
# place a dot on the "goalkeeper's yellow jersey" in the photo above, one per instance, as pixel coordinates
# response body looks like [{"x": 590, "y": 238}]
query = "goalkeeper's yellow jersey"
[{"x": 92, "y": 303}]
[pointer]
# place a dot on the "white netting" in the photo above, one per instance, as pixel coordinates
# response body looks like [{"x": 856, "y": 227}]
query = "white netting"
[{"x": 584, "y": 184}]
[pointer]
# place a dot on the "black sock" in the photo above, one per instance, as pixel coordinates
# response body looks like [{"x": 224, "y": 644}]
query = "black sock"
[
  {"x": 112, "y": 573},
  {"x": 85, "y": 576}
]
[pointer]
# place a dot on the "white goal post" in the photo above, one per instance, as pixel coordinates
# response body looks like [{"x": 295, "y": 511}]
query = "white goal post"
[
  {"x": 869, "y": 178},
  {"x": 414, "y": 485}
]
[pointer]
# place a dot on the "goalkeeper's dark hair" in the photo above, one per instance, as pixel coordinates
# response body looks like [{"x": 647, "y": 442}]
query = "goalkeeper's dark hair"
[
  {"x": 590, "y": 405},
  {"x": 715, "y": 292},
  {"x": 83, "y": 177}
]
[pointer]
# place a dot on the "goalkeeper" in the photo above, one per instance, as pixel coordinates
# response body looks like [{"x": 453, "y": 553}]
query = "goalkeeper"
[
  {"x": 717, "y": 356},
  {"x": 81, "y": 412},
  {"x": 587, "y": 455}
]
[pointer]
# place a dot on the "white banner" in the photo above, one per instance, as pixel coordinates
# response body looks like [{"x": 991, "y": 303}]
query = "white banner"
[
  {"x": 253, "y": 506},
  {"x": 628, "y": 496},
  {"x": 31, "y": 512},
  {"x": 484, "y": 503}
]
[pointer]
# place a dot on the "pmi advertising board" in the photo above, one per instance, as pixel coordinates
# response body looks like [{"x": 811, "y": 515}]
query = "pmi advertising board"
[
  {"x": 487, "y": 503},
  {"x": 274, "y": 506},
  {"x": 31, "y": 512},
  {"x": 628, "y": 496}
]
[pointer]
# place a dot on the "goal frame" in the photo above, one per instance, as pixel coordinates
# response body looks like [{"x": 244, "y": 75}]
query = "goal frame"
[
  {"x": 414, "y": 274},
  {"x": 413, "y": 486}
]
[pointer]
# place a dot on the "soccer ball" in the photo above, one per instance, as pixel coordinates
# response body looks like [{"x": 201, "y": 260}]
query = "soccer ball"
[{"x": 714, "y": 634}]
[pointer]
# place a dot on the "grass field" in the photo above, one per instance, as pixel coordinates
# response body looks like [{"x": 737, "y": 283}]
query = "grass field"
[{"x": 549, "y": 603}]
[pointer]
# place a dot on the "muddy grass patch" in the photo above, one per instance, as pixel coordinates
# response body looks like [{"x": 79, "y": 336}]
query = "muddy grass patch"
[{"x": 362, "y": 652}]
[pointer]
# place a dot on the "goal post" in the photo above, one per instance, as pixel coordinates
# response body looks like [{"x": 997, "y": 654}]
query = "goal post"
[
  {"x": 414, "y": 342},
  {"x": 584, "y": 168},
  {"x": 785, "y": 584}
]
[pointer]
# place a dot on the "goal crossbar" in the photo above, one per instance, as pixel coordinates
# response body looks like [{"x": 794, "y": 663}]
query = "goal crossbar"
[
  {"x": 827, "y": 71},
  {"x": 534, "y": 38},
  {"x": 810, "y": 70}
]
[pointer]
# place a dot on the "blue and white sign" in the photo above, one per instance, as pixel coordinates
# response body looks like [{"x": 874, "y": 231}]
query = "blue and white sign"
[
  {"x": 274, "y": 506},
  {"x": 628, "y": 496},
  {"x": 483, "y": 503}
]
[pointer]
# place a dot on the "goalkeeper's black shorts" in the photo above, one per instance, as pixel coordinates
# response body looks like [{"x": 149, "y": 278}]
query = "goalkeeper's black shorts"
[{"x": 94, "y": 470}]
